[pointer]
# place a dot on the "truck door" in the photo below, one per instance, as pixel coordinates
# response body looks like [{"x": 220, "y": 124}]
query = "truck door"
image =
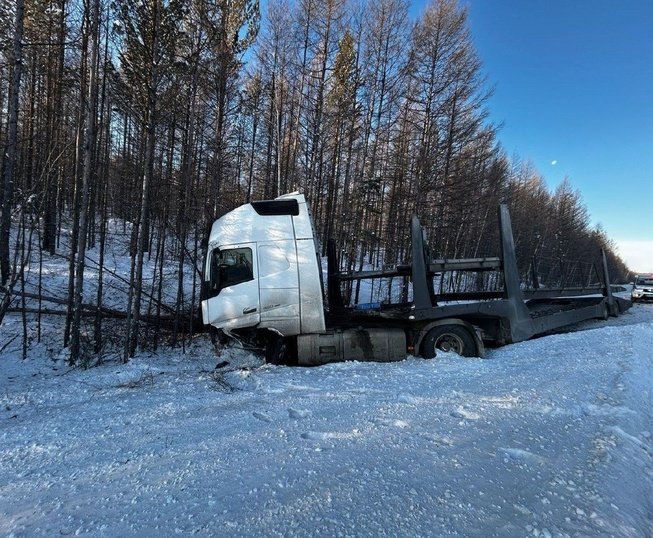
[
  {"x": 279, "y": 286},
  {"x": 233, "y": 295}
]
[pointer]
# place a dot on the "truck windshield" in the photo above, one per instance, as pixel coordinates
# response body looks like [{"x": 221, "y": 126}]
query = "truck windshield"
[
  {"x": 230, "y": 267},
  {"x": 644, "y": 281}
]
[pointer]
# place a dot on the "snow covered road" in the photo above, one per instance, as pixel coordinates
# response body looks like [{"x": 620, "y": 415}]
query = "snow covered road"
[{"x": 551, "y": 437}]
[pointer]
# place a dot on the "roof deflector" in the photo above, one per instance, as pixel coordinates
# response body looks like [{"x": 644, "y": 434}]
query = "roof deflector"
[{"x": 276, "y": 207}]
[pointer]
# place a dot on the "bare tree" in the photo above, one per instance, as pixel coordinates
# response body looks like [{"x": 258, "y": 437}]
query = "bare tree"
[
  {"x": 151, "y": 32},
  {"x": 9, "y": 155},
  {"x": 89, "y": 150}
]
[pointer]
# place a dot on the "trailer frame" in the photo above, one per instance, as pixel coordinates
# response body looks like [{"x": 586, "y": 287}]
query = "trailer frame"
[{"x": 513, "y": 314}]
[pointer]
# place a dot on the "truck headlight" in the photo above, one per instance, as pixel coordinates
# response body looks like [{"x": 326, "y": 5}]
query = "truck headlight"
[{"x": 637, "y": 293}]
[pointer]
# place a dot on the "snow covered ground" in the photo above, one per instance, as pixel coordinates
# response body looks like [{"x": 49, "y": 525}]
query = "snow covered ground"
[{"x": 551, "y": 437}]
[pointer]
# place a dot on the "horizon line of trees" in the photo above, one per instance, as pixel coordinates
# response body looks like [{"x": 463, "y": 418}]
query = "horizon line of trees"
[{"x": 169, "y": 113}]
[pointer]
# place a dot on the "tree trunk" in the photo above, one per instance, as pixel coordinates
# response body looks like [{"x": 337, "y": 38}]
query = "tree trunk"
[
  {"x": 150, "y": 141},
  {"x": 89, "y": 147},
  {"x": 11, "y": 147},
  {"x": 77, "y": 194}
]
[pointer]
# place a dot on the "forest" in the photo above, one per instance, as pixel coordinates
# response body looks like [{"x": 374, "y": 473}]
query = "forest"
[{"x": 163, "y": 115}]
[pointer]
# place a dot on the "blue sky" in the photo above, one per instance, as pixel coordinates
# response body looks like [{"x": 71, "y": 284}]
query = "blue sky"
[{"x": 573, "y": 86}]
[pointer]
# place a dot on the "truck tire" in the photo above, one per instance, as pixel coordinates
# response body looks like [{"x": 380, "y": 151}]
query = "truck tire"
[
  {"x": 448, "y": 338},
  {"x": 275, "y": 350},
  {"x": 280, "y": 350}
]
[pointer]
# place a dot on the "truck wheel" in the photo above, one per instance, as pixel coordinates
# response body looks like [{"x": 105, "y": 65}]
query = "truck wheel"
[
  {"x": 280, "y": 350},
  {"x": 275, "y": 350},
  {"x": 448, "y": 338}
]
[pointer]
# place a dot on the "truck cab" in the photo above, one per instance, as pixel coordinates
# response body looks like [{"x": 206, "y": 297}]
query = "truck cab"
[
  {"x": 262, "y": 270},
  {"x": 262, "y": 283}
]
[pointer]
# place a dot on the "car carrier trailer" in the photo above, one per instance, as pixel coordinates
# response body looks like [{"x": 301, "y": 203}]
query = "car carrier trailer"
[{"x": 263, "y": 282}]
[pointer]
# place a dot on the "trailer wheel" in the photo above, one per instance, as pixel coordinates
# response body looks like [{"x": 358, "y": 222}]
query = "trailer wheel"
[
  {"x": 448, "y": 338},
  {"x": 615, "y": 310}
]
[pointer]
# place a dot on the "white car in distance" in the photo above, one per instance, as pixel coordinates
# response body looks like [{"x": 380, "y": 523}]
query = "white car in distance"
[{"x": 642, "y": 288}]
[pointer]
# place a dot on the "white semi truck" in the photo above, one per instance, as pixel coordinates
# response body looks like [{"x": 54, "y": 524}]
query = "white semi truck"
[{"x": 263, "y": 283}]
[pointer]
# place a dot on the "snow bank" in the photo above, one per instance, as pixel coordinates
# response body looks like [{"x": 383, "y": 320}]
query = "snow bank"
[{"x": 550, "y": 437}]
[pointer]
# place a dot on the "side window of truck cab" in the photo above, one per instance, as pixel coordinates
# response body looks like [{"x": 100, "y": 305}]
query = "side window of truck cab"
[{"x": 230, "y": 267}]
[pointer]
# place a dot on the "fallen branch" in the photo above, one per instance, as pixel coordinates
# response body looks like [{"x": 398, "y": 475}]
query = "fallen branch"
[
  {"x": 166, "y": 321},
  {"x": 126, "y": 281},
  {"x": 6, "y": 344},
  {"x": 90, "y": 309}
]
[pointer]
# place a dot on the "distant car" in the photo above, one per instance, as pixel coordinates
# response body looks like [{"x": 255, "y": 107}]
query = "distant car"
[{"x": 642, "y": 288}]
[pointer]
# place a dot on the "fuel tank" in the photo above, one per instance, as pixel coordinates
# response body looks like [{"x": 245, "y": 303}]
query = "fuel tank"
[{"x": 381, "y": 345}]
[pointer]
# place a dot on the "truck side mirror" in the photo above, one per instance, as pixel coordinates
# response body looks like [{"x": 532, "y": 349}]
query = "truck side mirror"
[
  {"x": 216, "y": 275},
  {"x": 222, "y": 275}
]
